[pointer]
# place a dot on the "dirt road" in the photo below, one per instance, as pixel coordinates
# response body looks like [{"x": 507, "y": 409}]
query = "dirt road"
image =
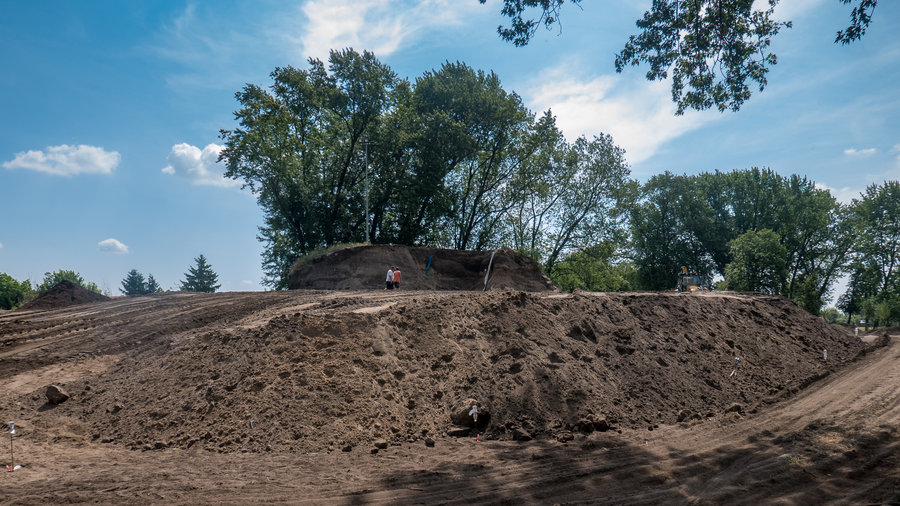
[{"x": 836, "y": 441}]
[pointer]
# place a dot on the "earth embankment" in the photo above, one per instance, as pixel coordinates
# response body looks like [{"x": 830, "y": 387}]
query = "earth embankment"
[
  {"x": 365, "y": 267},
  {"x": 312, "y": 371}
]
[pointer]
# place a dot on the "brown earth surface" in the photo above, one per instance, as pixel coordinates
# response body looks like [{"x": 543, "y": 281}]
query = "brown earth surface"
[
  {"x": 63, "y": 294},
  {"x": 282, "y": 396},
  {"x": 365, "y": 267}
]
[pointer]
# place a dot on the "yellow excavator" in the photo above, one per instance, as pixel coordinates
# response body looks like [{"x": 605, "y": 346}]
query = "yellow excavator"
[{"x": 689, "y": 282}]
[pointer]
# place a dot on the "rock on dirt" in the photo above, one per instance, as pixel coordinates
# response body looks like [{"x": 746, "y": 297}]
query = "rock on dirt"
[{"x": 56, "y": 394}]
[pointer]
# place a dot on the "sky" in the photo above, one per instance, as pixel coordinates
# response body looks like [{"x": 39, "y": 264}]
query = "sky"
[{"x": 110, "y": 112}]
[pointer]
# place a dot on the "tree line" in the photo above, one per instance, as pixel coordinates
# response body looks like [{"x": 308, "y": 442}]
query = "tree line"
[
  {"x": 453, "y": 160},
  {"x": 13, "y": 293}
]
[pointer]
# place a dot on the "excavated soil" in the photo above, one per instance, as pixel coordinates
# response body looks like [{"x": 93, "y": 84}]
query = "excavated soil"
[
  {"x": 63, "y": 294},
  {"x": 365, "y": 267},
  {"x": 283, "y": 396}
]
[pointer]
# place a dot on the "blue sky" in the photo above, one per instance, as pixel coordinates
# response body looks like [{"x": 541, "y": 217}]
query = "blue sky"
[{"x": 111, "y": 112}]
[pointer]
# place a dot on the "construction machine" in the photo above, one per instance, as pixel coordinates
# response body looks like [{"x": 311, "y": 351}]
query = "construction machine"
[{"x": 688, "y": 282}]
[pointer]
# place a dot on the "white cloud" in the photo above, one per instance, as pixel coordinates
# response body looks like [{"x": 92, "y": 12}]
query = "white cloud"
[
  {"x": 844, "y": 195},
  {"x": 112, "y": 246},
  {"x": 376, "y": 25},
  {"x": 639, "y": 114},
  {"x": 860, "y": 152},
  {"x": 201, "y": 167},
  {"x": 789, "y": 10},
  {"x": 65, "y": 160},
  {"x": 247, "y": 282},
  {"x": 1, "y": 245}
]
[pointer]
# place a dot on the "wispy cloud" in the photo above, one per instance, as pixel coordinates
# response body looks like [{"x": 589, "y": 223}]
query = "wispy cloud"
[
  {"x": 375, "y": 25},
  {"x": 112, "y": 246},
  {"x": 638, "y": 114},
  {"x": 199, "y": 166},
  {"x": 1, "y": 245},
  {"x": 66, "y": 160},
  {"x": 860, "y": 152}
]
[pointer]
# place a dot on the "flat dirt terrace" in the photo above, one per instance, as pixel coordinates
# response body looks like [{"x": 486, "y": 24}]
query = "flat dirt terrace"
[{"x": 281, "y": 397}]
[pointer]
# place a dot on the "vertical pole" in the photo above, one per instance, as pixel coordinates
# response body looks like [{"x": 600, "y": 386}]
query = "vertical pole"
[{"x": 366, "y": 143}]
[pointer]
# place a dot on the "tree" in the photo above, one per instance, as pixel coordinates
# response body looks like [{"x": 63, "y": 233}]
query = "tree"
[
  {"x": 876, "y": 215},
  {"x": 200, "y": 278},
  {"x": 486, "y": 125},
  {"x": 691, "y": 221},
  {"x": 759, "y": 263},
  {"x": 667, "y": 226},
  {"x": 298, "y": 150},
  {"x": 152, "y": 285},
  {"x": 833, "y": 315},
  {"x": 13, "y": 293},
  {"x": 715, "y": 50},
  {"x": 52, "y": 278},
  {"x": 593, "y": 199},
  {"x": 593, "y": 269},
  {"x": 133, "y": 284},
  {"x": 453, "y": 161}
]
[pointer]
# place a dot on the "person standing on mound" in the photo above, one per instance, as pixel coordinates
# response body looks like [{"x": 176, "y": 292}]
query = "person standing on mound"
[
  {"x": 396, "y": 278},
  {"x": 389, "y": 281}
]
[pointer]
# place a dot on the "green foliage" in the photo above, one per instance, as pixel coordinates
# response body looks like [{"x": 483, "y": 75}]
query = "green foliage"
[
  {"x": 297, "y": 149},
  {"x": 833, "y": 315},
  {"x": 454, "y": 161},
  {"x": 876, "y": 217},
  {"x": 807, "y": 295},
  {"x": 691, "y": 221},
  {"x": 152, "y": 285},
  {"x": 52, "y": 278},
  {"x": 200, "y": 278},
  {"x": 887, "y": 311},
  {"x": 758, "y": 263},
  {"x": 521, "y": 29},
  {"x": 134, "y": 284},
  {"x": 593, "y": 269},
  {"x": 13, "y": 293},
  {"x": 715, "y": 50},
  {"x": 669, "y": 227}
]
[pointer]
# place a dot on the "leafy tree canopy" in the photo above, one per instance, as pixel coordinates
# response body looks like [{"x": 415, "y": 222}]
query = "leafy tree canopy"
[
  {"x": 13, "y": 293},
  {"x": 593, "y": 269},
  {"x": 715, "y": 50},
  {"x": 452, "y": 160},
  {"x": 759, "y": 263}
]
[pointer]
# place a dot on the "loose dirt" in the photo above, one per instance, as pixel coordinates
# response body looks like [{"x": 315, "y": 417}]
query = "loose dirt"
[
  {"x": 281, "y": 396},
  {"x": 365, "y": 267},
  {"x": 63, "y": 294}
]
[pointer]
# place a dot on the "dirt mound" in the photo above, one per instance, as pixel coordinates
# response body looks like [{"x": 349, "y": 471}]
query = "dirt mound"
[
  {"x": 63, "y": 294},
  {"x": 364, "y": 267},
  {"x": 322, "y": 371}
]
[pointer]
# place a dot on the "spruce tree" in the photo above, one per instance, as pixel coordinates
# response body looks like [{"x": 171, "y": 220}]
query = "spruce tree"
[
  {"x": 200, "y": 278},
  {"x": 152, "y": 285},
  {"x": 133, "y": 284}
]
